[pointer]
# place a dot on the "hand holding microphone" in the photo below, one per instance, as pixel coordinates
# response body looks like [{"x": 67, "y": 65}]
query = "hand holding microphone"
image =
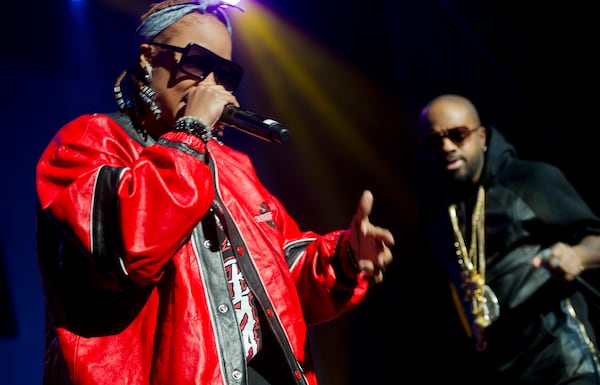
[
  {"x": 257, "y": 126},
  {"x": 207, "y": 102},
  {"x": 559, "y": 261}
]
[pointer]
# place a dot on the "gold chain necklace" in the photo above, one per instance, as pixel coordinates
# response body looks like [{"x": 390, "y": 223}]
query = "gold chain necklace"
[{"x": 482, "y": 300}]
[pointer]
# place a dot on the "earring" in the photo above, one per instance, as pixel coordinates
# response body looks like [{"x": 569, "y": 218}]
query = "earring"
[
  {"x": 120, "y": 98},
  {"x": 147, "y": 95},
  {"x": 148, "y": 73}
]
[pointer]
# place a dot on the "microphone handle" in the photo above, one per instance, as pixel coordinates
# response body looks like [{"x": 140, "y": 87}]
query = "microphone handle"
[{"x": 250, "y": 123}]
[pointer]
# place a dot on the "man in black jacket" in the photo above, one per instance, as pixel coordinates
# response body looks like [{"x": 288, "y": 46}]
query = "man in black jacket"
[{"x": 514, "y": 239}]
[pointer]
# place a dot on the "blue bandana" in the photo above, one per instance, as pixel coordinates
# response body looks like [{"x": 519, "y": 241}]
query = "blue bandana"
[{"x": 161, "y": 20}]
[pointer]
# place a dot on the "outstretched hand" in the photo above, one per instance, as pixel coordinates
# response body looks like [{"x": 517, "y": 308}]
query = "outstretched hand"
[{"x": 371, "y": 244}]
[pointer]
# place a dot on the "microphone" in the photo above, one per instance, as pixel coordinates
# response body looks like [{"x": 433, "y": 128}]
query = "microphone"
[
  {"x": 250, "y": 123},
  {"x": 588, "y": 286}
]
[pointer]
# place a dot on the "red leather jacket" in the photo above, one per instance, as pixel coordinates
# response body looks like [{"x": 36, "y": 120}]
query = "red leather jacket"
[{"x": 135, "y": 292}]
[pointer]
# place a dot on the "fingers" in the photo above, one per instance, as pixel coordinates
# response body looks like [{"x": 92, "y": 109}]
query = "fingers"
[
  {"x": 372, "y": 270},
  {"x": 365, "y": 206},
  {"x": 207, "y": 101},
  {"x": 371, "y": 243},
  {"x": 561, "y": 260},
  {"x": 383, "y": 235},
  {"x": 546, "y": 260},
  {"x": 378, "y": 278},
  {"x": 381, "y": 257},
  {"x": 378, "y": 257}
]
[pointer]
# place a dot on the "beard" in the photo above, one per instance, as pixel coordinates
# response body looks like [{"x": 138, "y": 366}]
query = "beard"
[{"x": 468, "y": 174}]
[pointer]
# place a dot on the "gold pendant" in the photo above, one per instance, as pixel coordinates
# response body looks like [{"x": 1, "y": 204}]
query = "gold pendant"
[
  {"x": 490, "y": 307},
  {"x": 485, "y": 311}
]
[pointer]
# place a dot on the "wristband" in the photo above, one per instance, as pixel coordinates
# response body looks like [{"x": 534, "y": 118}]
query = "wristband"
[{"x": 195, "y": 126}]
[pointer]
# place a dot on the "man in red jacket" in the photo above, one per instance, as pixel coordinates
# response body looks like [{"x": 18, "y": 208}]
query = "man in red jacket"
[{"x": 164, "y": 259}]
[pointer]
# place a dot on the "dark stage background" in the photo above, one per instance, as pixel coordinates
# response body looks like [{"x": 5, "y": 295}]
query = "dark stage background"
[{"x": 532, "y": 71}]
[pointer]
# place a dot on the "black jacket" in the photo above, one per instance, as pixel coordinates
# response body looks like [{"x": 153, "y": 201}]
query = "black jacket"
[{"x": 529, "y": 206}]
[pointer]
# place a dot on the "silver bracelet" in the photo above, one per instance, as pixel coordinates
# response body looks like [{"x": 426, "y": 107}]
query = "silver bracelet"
[{"x": 195, "y": 126}]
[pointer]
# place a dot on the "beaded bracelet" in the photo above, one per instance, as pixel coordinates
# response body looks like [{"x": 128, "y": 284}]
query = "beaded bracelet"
[{"x": 195, "y": 126}]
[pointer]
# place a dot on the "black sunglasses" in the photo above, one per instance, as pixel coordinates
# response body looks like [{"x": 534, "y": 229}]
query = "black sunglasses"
[
  {"x": 457, "y": 135},
  {"x": 198, "y": 62}
]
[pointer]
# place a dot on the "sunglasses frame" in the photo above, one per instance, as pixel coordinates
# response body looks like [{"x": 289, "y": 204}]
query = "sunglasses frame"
[
  {"x": 217, "y": 63},
  {"x": 457, "y": 135}
]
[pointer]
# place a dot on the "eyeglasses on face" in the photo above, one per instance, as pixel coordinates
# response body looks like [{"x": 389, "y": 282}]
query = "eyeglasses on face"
[
  {"x": 457, "y": 135},
  {"x": 198, "y": 62}
]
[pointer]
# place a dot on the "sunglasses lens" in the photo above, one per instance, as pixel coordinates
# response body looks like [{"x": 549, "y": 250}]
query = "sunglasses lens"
[
  {"x": 458, "y": 135},
  {"x": 229, "y": 75},
  {"x": 197, "y": 61}
]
